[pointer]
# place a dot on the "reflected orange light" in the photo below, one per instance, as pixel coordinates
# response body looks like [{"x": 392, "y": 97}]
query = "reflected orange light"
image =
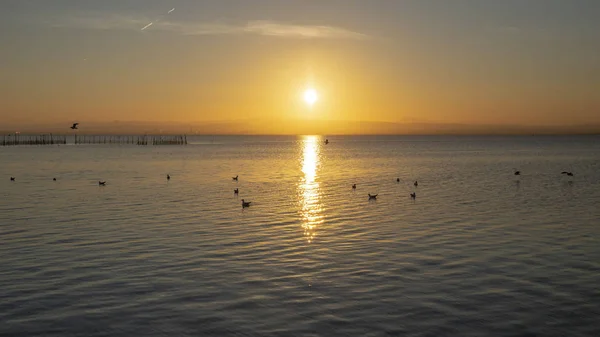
[{"x": 308, "y": 189}]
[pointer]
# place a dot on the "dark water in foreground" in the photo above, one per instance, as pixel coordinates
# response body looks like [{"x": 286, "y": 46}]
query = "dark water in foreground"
[{"x": 479, "y": 252}]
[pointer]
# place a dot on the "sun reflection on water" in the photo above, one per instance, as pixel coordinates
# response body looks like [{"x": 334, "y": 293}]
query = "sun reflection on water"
[{"x": 308, "y": 188}]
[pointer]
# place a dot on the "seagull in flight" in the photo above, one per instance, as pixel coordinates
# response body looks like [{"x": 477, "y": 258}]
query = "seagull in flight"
[
  {"x": 74, "y": 126},
  {"x": 570, "y": 174},
  {"x": 372, "y": 196}
]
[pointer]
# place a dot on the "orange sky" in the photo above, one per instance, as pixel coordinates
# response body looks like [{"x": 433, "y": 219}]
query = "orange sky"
[{"x": 387, "y": 62}]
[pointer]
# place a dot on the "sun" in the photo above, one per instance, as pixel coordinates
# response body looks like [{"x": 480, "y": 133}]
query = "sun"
[{"x": 310, "y": 96}]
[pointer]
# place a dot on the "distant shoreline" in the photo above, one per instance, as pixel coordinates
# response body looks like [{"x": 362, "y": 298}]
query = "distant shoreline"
[
  {"x": 283, "y": 127},
  {"x": 137, "y": 134}
]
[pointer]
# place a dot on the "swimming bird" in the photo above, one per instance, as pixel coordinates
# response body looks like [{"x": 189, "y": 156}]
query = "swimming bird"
[
  {"x": 168, "y": 177},
  {"x": 101, "y": 183},
  {"x": 12, "y": 178},
  {"x": 245, "y": 203},
  {"x": 413, "y": 195},
  {"x": 74, "y": 126},
  {"x": 353, "y": 186},
  {"x": 416, "y": 183},
  {"x": 372, "y": 196},
  {"x": 235, "y": 178},
  {"x": 236, "y": 191},
  {"x": 570, "y": 174}
]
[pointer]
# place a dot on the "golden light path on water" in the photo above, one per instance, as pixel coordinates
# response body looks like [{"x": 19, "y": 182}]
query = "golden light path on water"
[{"x": 308, "y": 188}]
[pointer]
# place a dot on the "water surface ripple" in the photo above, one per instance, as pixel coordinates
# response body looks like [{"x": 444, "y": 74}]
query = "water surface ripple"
[{"x": 479, "y": 252}]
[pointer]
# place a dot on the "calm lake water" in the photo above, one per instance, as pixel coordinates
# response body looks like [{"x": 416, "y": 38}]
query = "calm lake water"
[{"x": 480, "y": 252}]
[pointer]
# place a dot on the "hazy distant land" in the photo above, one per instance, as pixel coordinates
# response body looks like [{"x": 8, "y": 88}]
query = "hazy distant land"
[{"x": 298, "y": 127}]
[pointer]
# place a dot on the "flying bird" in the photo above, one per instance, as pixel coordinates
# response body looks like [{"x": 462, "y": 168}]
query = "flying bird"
[
  {"x": 12, "y": 178},
  {"x": 570, "y": 174},
  {"x": 245, "y": 203},
  {"x": 372, "y": 196},
  {"x": 397, "y": 180},
  {"x": 235, "y": 178},
  {"x": 517, "y": 173},
  {"x": 74, "y": 126},
  {"x": 416, "y": 183},
  {"x": 236, "y": 191},
  {"x": 101, "y": 183},
  {"x": 353, "y": 186},
  {"x": 413, "y": 195},
  {"x": 168, "y": 177},
  {"x": 53, "y": 179}
]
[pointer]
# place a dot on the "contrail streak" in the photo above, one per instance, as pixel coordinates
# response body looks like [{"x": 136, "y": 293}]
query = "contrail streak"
[
  {"x": 148, "y": 25},
  {"x": 151, "y": 23}
]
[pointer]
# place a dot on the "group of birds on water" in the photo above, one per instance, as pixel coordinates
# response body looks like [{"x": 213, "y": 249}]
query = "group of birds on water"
[
  {"x": 245, "y": 203},
  {"x": 413, "y": 195},
  {"x": 570, "y": 174},
  {"x": 237, "y": 192},
  {"x": 566, "y": 173}
]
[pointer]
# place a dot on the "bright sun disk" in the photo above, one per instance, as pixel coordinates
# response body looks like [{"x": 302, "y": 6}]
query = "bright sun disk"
[{"x": 310, "y": 96}]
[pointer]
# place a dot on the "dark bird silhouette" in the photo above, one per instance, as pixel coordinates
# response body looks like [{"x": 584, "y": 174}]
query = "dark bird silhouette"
[
  {"x": 372, "y": 196},
  {"x": 416, "y": 183},
  {"x": 101, "y": 183},
  {"x": 413, "y": 195},
  {"x": 235, "y": 178},
  {"x": 236, "y": 191},
  {"x": 12, "y": 178},
  {"x": 245, "y": 203},
  {"x": 517, "y": 173},
  {"x": 74, "y": 126},
  {"x": 353, "y": 186},
  {"x": 168, "y": 177},
  {"x": 397, "y": 180},
  {"x": 53, "y": 179},
  {"x": 326, "y": 141},
  {"x": 570, "y": 174}
]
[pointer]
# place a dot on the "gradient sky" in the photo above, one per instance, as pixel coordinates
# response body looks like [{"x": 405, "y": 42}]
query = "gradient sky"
[{"x": 441, "y": 61}]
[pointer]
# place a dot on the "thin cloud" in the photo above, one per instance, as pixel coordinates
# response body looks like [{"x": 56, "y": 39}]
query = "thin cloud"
[{"x": 260, "y": 27}]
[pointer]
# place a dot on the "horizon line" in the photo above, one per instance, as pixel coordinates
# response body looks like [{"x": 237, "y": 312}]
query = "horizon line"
[{"x": 4, "y": 133}]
